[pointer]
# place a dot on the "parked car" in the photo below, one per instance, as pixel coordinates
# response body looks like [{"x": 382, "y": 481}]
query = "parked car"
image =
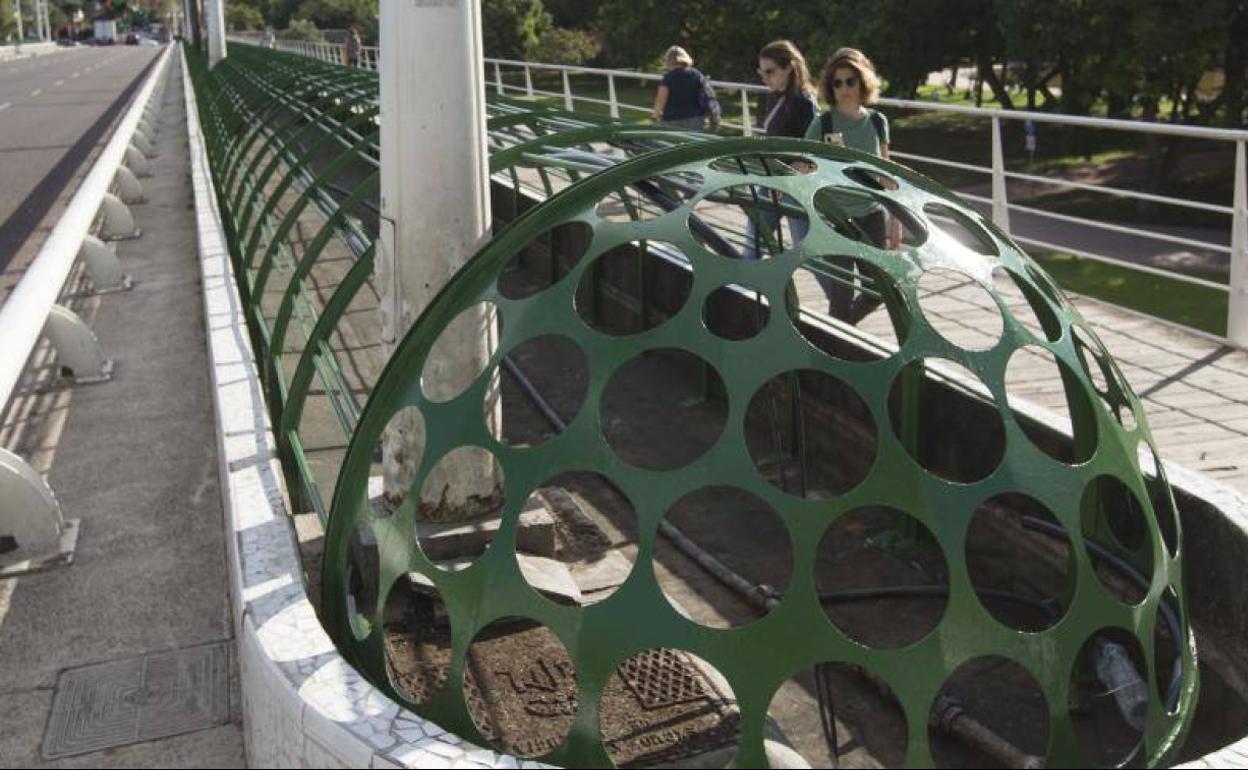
[{"x": 132, "y": 39}]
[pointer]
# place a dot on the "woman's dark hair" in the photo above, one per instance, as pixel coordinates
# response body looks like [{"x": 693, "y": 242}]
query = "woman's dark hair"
[
  {"x": 852, "y": 59},
  {"x": 784, "y": 53}
]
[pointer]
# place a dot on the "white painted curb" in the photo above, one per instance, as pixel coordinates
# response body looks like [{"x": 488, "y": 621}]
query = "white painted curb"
[{"x": 303, "y": 705}]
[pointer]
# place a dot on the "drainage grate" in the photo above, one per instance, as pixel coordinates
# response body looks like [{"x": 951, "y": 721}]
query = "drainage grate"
[
  {"x": 140, "y": 699},
  {"x": 662, "y": 678}
]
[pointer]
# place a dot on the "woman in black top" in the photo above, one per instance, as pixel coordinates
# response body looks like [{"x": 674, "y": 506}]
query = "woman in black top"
[
  {"x": 677, "y": 102},
  {"x": 788, "y": 110}
]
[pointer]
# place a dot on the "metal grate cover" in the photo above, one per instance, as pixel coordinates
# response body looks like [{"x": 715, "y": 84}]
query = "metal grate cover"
[{"x": 121, "y": 702}]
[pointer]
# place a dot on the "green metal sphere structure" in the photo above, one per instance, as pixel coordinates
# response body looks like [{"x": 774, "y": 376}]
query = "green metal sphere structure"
[{"x": 1118, "y": 519}]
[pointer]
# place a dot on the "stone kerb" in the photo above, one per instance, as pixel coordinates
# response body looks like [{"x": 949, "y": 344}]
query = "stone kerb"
[{"x": 303, "y": 706}]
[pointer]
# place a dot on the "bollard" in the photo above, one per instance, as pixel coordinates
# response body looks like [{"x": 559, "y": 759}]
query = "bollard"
[
  {"x": 128, "y": 187},
  {"x": 33, "y": 530},
  {"x": 143, "y": 144},
  {"x": 77, "y": 349},
  {"x": 136, "y": 162},
  {"x": 118, "y": 223},
  {"x": 103, "y": 267}
]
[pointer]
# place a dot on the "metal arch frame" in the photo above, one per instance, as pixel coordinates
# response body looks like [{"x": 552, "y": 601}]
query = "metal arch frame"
[{"x": 493, "y": 587}]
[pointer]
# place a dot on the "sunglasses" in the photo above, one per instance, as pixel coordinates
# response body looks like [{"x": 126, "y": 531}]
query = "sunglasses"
[
  {"x": 768, "y": 71},
  {"x": 848, "y": 82}
]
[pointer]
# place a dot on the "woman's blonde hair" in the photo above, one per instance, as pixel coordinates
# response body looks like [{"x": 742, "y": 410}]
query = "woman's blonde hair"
[
  {"x": 677, "y": 55},
  {"x": 850, "y": 58},
  {"x": 784, "y": 53}
]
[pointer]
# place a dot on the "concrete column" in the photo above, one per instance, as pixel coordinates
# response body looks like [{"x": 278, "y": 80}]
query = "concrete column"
[
  {"x": 17, "y": 14},
  {"x": 214, "y": 30},
  {"x": 435, "y": 209}
]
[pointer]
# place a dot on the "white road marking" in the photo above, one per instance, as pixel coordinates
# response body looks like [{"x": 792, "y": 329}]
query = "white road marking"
[
  {"x": 4, "y": 106},
  {"x": 36, "y": 92},
  {"x": 74, "y": 75},
  {"x": 59, "y": 82}
]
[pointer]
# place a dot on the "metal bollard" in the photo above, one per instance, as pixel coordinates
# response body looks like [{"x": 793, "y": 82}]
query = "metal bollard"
[{"x": 118, "y": 222}]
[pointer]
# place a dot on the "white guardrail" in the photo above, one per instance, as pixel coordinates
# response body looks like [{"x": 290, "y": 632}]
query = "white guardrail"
[
  {"x": 1237, "y": 211},
  {"x": 33, "y": 530}
]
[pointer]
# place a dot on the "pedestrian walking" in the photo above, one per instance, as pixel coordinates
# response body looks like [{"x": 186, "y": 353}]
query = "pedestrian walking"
[
  {"x": 679, "y": 100},
  {"x": 352, "y": 49}
]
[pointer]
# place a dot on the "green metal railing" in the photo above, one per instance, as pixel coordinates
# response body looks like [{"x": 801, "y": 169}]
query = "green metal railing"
[{"x": 289, "y": 136}]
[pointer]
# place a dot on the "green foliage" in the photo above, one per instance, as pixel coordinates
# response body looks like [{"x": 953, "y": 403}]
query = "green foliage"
[
  {"x": 566, "y": 46},
  {"x": 574, "y": 14},
  {"x": 302, "y": 29},
  {"x": 340, "y": 14},
  {"x": 513, "y": 29},
  {"x": 243, "y": 17}
]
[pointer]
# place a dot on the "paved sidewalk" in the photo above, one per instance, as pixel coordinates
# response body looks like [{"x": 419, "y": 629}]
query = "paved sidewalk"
[{"x": 136, "y": 460}]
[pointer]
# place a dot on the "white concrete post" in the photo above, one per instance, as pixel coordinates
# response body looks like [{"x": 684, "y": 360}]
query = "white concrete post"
[
  {"x": 498, "y": 79},
  {"x": 1000, "y": 205},
  {"x": 746, "y": 128},
  {"x": 214, "y": 30},
  {"x": 435, "y": 212},
  {"x": 615, "y": 104},
  {"x": 567, "y": 93},
  {"x": 1237, "y": 307}
]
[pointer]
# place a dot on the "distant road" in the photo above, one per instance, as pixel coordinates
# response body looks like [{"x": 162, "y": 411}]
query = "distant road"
[{"x": 55, "y": 111}]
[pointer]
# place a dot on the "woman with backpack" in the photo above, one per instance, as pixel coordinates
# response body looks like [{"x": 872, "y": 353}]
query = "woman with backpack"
[
  {"x": 680, "y": 99},
  {"x": 849, "y": 85}
]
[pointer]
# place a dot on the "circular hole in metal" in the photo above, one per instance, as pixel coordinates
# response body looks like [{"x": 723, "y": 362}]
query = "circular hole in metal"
[
  {"x": 960, "y": 309},
  {"x": 460, "y": 507},
  {"x": 577, "y": 538},
  {"x": 882, "y": 577},
  {"x": 735, "y": 312},
  {"x": 1018, "y": 558},
  {"x": 810, "y": 434},
  {"x": 1161, "y": 496},
  {"x": 647, "y": 199},
  {"x": 461, "y": 352},
  {"x": 1046, "y": 285},
  {"x": 748, "y": 221},
  {"x": 417, "y": 638},
  {"x": 663, "y": 706},
  {"x": 545, "y": 260},
  {"x": 1092, "y": 358},
  {"x": 1168, "y": 646},
  {"x": 858, "y": 213},
  {"x": 958, "y": 227},
  {"x": 403, "y": 442},
  {"x": 663, "y": 409},
  {"x": 744, "y": 536},
  {"x": 363, "y": 579},
  {"x": 1034, "y": 375},
  {"x": 1116, "y": 533},
  {"x": 520, "y": 687},
  {"x": 1109, "y": 697},
  {"x": 1026, "y": 304},
  {"x": 850, "y": 291},
  {"x": 538, "y": 389},
  {"x": 634, "y": 287},
  {"x": 995, "y": 693},
  {"x": 869, "y": 724},
  {"x": 946, "y": 420},
  {"x": 869, "y": 177},
  {"x": 765, "y": 164}
]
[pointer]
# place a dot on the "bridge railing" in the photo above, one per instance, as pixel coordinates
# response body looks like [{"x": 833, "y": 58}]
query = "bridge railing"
[
  {"x": 29, "y": 513},
  {"x": 517, "y": 78}
]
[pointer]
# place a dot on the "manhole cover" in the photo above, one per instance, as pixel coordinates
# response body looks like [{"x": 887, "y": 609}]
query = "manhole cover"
[{"x": 140, "y": 699}]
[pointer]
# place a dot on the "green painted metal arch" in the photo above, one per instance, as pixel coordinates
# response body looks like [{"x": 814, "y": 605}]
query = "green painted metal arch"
[{"x": 757, "y": 657}]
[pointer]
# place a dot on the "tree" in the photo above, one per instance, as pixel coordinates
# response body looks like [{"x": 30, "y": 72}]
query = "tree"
[
  {"x": 341, "y": 14},
  {"x": 302, "y": 29},
  {"x": 243, "y": 17},
  {"x": 512, "y": 29},
  {"x": 566, "y": 46}
]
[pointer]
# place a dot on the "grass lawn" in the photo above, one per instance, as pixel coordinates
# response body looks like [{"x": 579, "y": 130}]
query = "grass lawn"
[{"x": 1190, "y": 305}]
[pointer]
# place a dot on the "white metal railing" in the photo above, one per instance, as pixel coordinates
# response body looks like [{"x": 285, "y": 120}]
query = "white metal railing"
[
  {"x": 997, "y": 174},
  {"x": 28, "y": 510}
]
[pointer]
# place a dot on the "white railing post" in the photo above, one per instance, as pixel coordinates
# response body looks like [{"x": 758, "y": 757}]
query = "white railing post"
[
  {"x": 1000, "y": 204},
  {"x": 615, "y": 104},
  {"x": 498, "y": 79},
  {"x": 1237, "y": 302},
  {"x": 567, "y": 93},
  {"x": 528, "y": 81},
  {"x": 746, "y": 128}
]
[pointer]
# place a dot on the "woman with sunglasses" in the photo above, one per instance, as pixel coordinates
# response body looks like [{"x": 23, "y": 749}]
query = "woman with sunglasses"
[
  {"x": 788, "y": 110},
  {"x": 848, "y": 84}
]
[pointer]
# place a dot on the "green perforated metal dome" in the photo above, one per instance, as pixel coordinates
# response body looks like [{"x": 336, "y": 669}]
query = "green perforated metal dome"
[{"x": 915, "y": 344}]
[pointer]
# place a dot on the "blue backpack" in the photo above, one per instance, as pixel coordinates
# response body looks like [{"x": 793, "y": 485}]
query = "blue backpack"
[{"x": 709, "y": 104}]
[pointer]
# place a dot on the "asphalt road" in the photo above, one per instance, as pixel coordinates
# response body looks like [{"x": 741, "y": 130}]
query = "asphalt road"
[{"x": 56, "y": 112}]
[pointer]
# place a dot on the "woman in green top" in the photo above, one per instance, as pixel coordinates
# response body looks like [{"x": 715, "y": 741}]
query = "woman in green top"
[{"x": 848, "y": 84}]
